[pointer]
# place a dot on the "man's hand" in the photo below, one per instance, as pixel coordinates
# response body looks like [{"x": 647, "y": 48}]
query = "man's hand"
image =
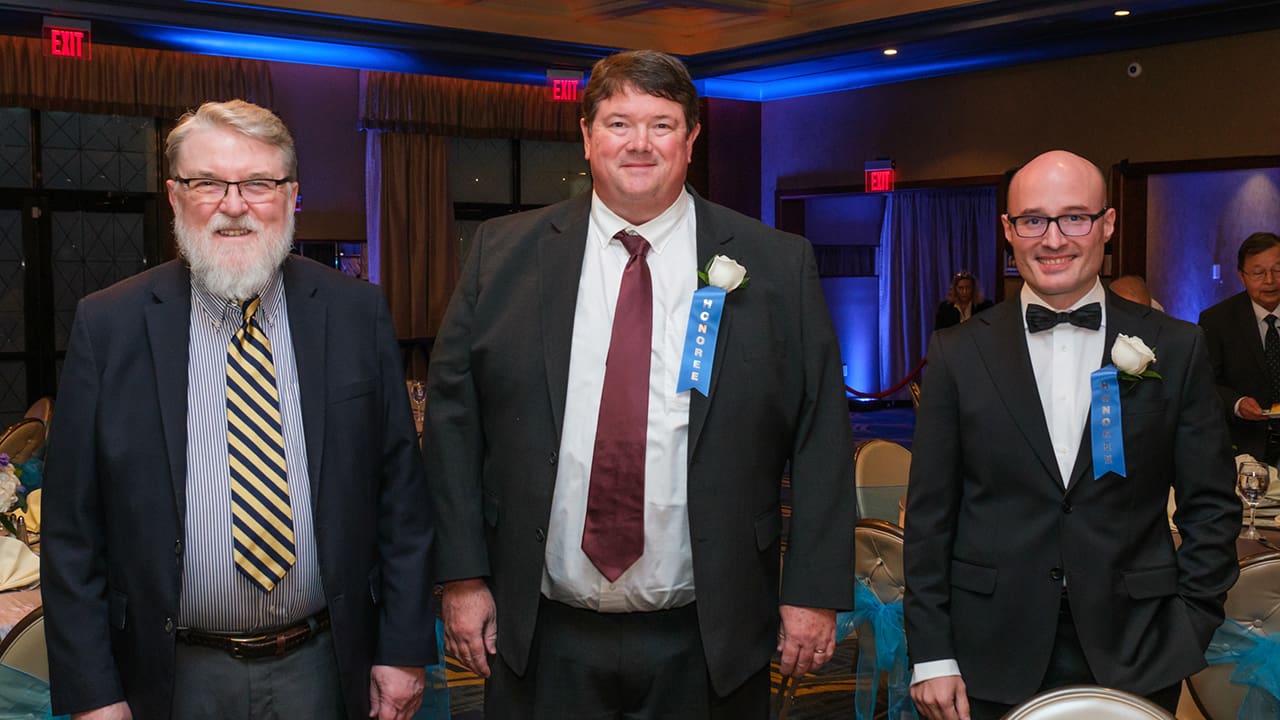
[
  {"x": 395, "y": 692},
  {"x": 1249, "y": 409},
  {"x": 470, "y": 623},
  {"x": 942, "y": 698},
  {"x": 118, "y": 711},
  {"x": 806, "y": 639}
]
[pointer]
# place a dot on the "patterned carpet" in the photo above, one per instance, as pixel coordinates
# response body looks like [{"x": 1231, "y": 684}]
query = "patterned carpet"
[{"x": 827, "y": 694}]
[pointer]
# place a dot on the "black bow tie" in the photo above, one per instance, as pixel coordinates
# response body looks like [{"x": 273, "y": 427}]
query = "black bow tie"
[{"x": 1042, "y": 318}]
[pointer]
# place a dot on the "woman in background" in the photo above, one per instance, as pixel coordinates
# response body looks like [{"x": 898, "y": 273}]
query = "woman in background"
[{"x": 964, "y": 300}]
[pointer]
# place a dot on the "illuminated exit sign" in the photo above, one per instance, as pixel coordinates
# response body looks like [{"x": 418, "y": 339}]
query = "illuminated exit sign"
[
  {"x": 67, "y": 38},
  {"x": 877, "y": 175},
  {"x": 564, "y": 85}
]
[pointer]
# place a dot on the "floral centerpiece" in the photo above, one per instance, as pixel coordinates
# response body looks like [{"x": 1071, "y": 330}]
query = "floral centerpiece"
[{"x": 16, "y": 481}]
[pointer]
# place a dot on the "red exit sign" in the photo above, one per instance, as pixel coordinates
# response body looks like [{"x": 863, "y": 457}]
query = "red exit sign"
[
  {"x": 564, "y": 85},
  {"x": 878, "y": 175},
  {"x": 68, "y": 38}
]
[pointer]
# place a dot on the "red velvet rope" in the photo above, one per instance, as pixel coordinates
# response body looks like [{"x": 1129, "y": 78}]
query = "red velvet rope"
[{"x": 910, "y": 376}]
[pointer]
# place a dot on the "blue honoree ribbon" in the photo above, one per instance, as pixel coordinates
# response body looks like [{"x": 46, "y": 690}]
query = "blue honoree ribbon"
[
  {"x": 1257, "y": 660},
  {"x": 884, "y": 631},
  {"x": 700, "y": 340},
  {"x": 1104, "y": 423}
]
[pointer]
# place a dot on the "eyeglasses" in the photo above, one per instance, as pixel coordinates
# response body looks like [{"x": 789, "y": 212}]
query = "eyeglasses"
[
  {"x": 1262, "y": 273},
  {"x": 211, "y": 190},
  {"x": 1070, "y": 225}
]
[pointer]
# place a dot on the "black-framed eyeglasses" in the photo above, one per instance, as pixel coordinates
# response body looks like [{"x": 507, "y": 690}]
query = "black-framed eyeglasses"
[
  {"x": 254, "y": 190},
  {"x": 1069, "y": 224}
]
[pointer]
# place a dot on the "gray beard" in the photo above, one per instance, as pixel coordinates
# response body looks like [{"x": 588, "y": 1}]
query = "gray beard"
[{"x": 233, "y": 274}]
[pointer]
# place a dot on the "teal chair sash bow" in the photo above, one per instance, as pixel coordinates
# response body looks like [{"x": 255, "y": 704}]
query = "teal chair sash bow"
[
  {"x": 1257, "y": 660},
  {"x": 889, "y": 657}
]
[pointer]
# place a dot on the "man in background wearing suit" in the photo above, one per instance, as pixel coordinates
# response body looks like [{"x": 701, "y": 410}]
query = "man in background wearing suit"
[
  {"x": 609, "y": 543},
  {"x": 1244, "y": 348},
  {"x": 1026, "y": 567},
  {"x": 235, "y": 507}
]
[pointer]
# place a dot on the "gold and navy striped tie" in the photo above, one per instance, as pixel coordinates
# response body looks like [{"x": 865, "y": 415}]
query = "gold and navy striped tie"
[{"x": 262, "y": 521}]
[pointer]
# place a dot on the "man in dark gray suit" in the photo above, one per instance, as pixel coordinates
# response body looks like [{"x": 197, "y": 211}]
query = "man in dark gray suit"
[
  {"x": 1244, "y": 348},
  {"x": 609, "y": 540},
  {"x": 1034, "y": 557},
  {"x": 234, "y": 507}
]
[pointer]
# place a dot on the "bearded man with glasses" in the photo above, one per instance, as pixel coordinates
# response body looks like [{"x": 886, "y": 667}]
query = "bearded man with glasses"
[
  {"x": 1244, "y": 347},
  {"x": 235, "y": 504},
  {"x": 1033, "y": 559}
]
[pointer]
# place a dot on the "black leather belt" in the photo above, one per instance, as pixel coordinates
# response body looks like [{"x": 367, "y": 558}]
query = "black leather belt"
[{"x": 273, "y": 643}]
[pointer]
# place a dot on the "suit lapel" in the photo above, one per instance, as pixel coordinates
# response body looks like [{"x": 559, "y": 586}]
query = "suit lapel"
[
  {"x": 1002, "y": 343},
  {"x": 168, "y": 321},
  {"x": 712, "y": 240},
  {"x": 1247, "y": 327},
  {"x": 560, "y": 252},
  {"x": 308, "y": 315},
  {"x": 1121, "y": 320}
]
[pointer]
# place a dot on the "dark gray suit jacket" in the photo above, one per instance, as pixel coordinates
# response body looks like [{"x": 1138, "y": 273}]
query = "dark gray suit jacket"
[
  {"x": 1235, "y": 351},
  {"x": 991, "y": 531},
  {"x": 496, "y": 398},
  {"x": 115, "y": 495}
]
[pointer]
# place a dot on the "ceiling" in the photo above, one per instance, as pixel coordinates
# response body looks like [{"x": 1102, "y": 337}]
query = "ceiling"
[{"x": 745, "y": 49}]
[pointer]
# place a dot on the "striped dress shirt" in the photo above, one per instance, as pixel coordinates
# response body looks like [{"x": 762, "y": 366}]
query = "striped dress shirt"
[{"x": 215, "y": 597}]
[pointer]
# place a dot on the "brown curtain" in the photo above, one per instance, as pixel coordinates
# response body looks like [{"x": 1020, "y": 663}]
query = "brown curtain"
[
  {"x": 125, "y": 81},
  {"x": 414, "y": 115},
  {"x": 463, "y": 108},
  {"x": 418, "y": 256}
]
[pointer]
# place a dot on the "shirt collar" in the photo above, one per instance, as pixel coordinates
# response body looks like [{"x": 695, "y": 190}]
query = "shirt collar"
[
  {"x": 1096, "y": 295},
  {"x": 657, "y": 231},
  {"x": 221, "y": 310},
  {"x": 1261, "y": 313}
]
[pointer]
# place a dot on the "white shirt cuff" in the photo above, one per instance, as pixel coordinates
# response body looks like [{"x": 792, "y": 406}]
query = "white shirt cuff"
[
  {"x": 934, "y": 669},
  {"x": 1236, "y": 408}
]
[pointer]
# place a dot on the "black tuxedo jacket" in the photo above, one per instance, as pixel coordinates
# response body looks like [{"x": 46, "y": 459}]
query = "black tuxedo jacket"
[
  {"x": 496, "y": 398},
  {"x": 1235, "y": 351},
  {"x": 115, "y": 497},
  {"x": 991, "y": 530}
]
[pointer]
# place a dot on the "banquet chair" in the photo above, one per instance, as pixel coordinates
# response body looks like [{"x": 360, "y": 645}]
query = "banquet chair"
[
  {"x": 42, "y": 410},
  {"x": 1253, "y": 612},
  {"x": 24, "y": 647},
  {"x": 1087, "y": 701},
  {"x": 880, "y": 464},
  {"x": 22, "y": 440},
  {"x": 877, "y": 565}
]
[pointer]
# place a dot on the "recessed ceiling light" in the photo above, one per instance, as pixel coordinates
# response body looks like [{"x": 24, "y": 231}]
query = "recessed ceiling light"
[
  {"x": 1122, "y": 13},
  {"x": 890, "y": 51}
]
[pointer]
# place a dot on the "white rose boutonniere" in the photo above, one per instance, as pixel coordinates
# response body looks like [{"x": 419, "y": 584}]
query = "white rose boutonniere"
[
  {"x": 1133, "y": 359},
  {"x": 725, "y": 273}
]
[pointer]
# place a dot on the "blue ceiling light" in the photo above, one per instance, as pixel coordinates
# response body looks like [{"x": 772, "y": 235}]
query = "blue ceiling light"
[{"x": 318, "y": 52}]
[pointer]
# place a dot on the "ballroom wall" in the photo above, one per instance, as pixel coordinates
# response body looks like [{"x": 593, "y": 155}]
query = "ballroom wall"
[
  {"x": 1196, "y": 221},
  {"x": 1204, "y": 99}
]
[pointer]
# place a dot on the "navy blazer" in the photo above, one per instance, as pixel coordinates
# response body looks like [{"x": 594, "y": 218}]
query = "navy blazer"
[
  {"x": 1239, "y": 368},
  {"x": 114, "y": 514},
  {"x": 496, "y": 398}
]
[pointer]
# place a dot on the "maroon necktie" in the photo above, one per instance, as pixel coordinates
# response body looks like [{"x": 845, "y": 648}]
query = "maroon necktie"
[{"x": 613, "y": 536}]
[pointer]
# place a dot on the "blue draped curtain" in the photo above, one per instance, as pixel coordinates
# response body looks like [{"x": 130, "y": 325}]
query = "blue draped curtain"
[{"x": 927, "y": 236}]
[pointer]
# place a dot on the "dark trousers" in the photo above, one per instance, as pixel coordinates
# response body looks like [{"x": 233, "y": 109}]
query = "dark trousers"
[
  {"x": 585, "y": 665},
  {"x": 211, "y": 685},
  {"x": 1067, "y": 666}
]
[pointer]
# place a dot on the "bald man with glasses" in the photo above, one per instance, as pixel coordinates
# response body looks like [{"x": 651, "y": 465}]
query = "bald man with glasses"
[{"x": 1244, "y": 347}]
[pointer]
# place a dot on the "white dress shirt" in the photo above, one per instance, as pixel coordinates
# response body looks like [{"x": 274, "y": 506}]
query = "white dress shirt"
[
  {"x": 663, "y": 576},
  {"x": 1062, "y": 358}
]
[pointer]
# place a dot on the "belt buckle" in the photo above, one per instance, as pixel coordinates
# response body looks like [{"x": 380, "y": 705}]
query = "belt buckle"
[{"x": 239, "y": 645}]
